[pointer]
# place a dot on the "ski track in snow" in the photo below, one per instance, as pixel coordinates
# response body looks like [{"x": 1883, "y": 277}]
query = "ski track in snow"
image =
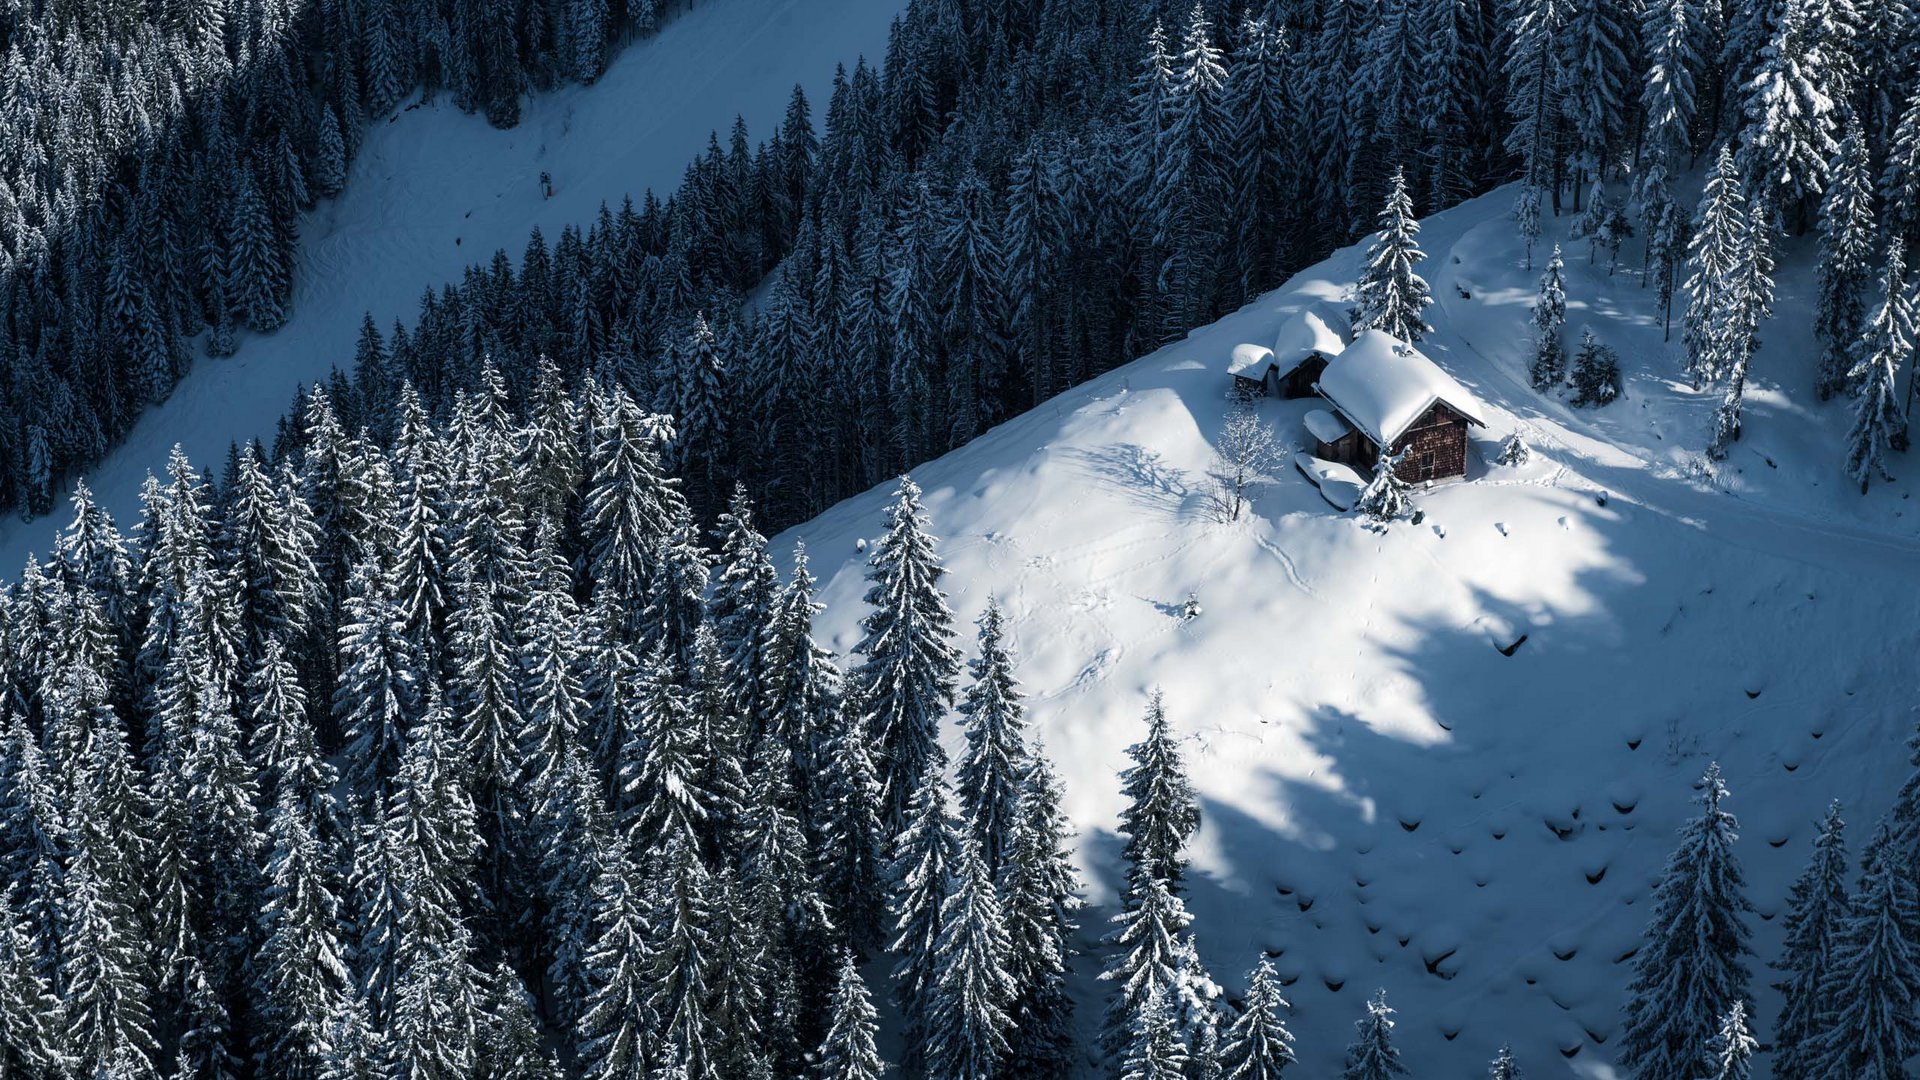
[{"x": 434, "y": 190}]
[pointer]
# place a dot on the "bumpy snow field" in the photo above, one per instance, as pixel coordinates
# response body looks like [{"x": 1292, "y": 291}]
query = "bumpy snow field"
[
  {"x": 1390, "y": 801},
  {"x": 434, "y": 190}
]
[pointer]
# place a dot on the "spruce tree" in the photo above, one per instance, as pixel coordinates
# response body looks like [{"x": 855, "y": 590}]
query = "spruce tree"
[
  {"x": 1730, "y": 1054},
  {"x": 1793, "y": 105},
  {"x": 1692, "y": 967},
  {"x": 972, "y": 987},
  {"x": 1872, "y": 1028},
  {"x": 616, "y": 1024},
  {"x": 995, "y": 761},
  {"x": 1372, "y": 1055},
  {"x": 1039, "y": 894},
  {"x": 1258, "y": 1045},
  {"x": 925, "y": 856},
  {"x": 1162, "y": 811},
  {"x": 1549, "y": 315},
  {"x": 1718, "y": 250},
  {"x": 1596, "y": 372},
  {"x": 1815, "y": 918},
  {"x": 1879, "y": 424},
  {"x": 852, "y": 849},
  {"x": 1390, "y": 296},
  {"x": 1846, "y": 242},
  {"x": 1154, "y": 1048},
  {"x": 850, "y": 1050},
  {"x": 1503, "y": 1067},
  {"x": 907, "y": 674},
  {"x": 1146, "y": 967},
  {"x": 302, "y": 972}
]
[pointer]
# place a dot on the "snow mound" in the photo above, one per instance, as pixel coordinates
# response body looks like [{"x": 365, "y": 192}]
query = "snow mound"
[{"x": 1457, "y": 758}]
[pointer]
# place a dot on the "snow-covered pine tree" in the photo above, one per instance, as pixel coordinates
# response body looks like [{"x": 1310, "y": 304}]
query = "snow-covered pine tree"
[
  {"x": 995, "y": 761},
  {"x": 1154, "y": 1050},
  {"x": 800, "y": 687},
  {"x": 682, "y": 968},
  {"x": 1258, "y": 1045},
  {"x": 1596, "y": 62},
  {"x": 850, "y": 1051},
  {"x": 1039, "y": 893},
  {"x": 1144, "y": 969},
  {"x": 1692, "y": 966},
  {"x": 616, "y": 1027},
  {"x": 1390, "y": 296},
  {"x": 1534, "y": 78},
  {"x": 1372, "y": 1055},
  {"x": 1753, "y": 302},
  {"x": 1162, "y": 811},
  {"x": 1793, "y": 105},
  {"x": 31, "y": 1040},
  {"x": 1879, "y": 424},
  {"x": 1872, "y": 1028},
  {"x": 972, "y": 989},
  {"x": 285, "y": 750},
  {"x": 302, "y": 973},
  {"x": 852, "y": 847},
  {"x": 1549, "y": 364},
  {"x": 1730, "y": 1054},
  {"x": 745, "y": 589},
  {"x": 1846, "y": 248},
  {"x": 1386, "y": 497},
  {"x": 378, "y": 691},
  {"x": 511, "y": 1044},
  {"x": 1514, "y": 451},
  {"x": 909, "y": 666},
  {"x": 1526, "y": 220},
  {"x": 1717, "y": 253},
  {"x": 1503, "y": 1067},
  {"x": 1817, "y": 909},
  {"x": 1596, "y": 372},
  {"x": 1261, "y": 117},
  {"x": 925, "y": 856},
  {"x": 1672, "y": 31}
]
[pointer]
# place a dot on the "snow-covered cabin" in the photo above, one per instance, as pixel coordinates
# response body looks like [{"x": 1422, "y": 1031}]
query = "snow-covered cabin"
[
  {"x": 1304, "y": 347},
  {"x": 1385, "y": 392},
  {"x": 1300, "y": 353},
  {"x": 1252, "y": 369}
]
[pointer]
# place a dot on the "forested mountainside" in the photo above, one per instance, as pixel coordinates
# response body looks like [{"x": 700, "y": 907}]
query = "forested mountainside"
[
  {"x": 155, "y": 159},
  {"x": 468, "y": 729}
]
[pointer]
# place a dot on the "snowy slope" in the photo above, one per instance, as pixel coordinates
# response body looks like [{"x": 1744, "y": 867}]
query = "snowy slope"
[
  {"x": 434, "y": 190},
  {"x": 1391, "y": 801}
]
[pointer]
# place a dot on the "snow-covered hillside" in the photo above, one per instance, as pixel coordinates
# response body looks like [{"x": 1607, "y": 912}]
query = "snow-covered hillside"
[
  {"x": 1390, "y": 799},
  {"x": 435, "y": 189}
]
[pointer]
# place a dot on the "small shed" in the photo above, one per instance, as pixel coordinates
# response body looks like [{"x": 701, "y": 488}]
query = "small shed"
[
  {"x": 1393, "y": 395},
  {"x": 1303, "y": 348},
  {"x": 1252, "y": 369}
]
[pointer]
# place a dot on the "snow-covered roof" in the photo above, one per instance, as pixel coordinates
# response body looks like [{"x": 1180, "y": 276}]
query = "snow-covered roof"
[
  {"x": 1325, "y": 426},
  {"x": 1314, "y": 330},
  {"x": 1249, "y": 361},
  {"x": 1381, "y": 385}
]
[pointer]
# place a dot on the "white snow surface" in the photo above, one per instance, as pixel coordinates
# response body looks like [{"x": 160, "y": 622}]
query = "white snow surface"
[
  {"x": 1382, "y": 385},
  {"x": 434, "y": 190},
  {"x": 1389, "y": 800}
]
